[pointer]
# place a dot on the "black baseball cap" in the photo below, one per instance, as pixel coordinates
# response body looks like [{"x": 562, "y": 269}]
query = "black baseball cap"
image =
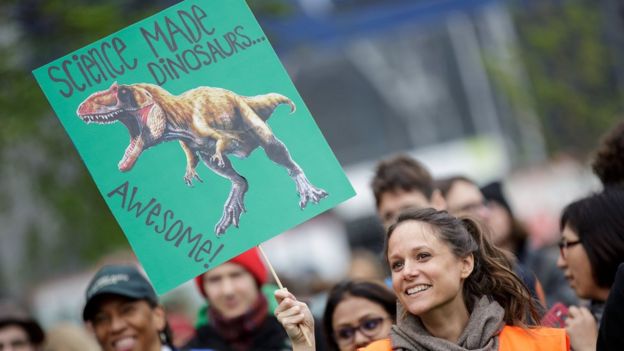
[{"x": 119, "y": 280}]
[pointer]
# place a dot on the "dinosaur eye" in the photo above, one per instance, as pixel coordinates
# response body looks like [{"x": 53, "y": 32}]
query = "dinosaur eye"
[{"x": 125, "y": 96}]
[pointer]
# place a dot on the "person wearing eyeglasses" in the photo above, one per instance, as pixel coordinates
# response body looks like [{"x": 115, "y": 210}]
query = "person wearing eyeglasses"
[
  {"x": 591, "y": 248},
  {"x": 356, "y": 314},
  {"x": 455, "y": 291}
]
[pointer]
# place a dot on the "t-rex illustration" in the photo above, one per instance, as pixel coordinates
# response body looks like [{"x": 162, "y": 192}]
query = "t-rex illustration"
[{"x": 210, "y": 123}]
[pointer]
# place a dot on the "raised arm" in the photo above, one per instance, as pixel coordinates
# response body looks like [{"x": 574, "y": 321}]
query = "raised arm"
[{"x": 296, "y": 318}]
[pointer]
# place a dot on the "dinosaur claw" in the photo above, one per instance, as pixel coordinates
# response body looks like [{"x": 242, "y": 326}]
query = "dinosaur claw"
[
  {"x": 218, "y": 159},
  {"x": 189, "y": 176},
  {"x": 308, "y": 192},
  {"x": 232, "y": 210}
]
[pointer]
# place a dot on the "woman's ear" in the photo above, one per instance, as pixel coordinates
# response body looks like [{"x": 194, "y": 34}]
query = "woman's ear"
[
  {"x": 160, "y": 319},
  {"x": 89, "y": 327},
  {"x": 467, "y": 266}
]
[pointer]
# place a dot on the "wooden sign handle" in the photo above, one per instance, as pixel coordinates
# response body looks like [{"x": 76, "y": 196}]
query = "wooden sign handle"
[{"x": 279, "y": 283}]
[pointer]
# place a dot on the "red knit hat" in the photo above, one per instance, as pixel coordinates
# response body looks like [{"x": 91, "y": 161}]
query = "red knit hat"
[{"x": 250, "y": 260}]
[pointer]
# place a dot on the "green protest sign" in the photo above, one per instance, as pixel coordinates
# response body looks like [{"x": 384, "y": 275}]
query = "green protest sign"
[{"x": 195, "y": 136}]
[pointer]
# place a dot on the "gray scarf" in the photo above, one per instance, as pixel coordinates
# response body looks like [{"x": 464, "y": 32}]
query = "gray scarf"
[{"x": 481, "y": 333}]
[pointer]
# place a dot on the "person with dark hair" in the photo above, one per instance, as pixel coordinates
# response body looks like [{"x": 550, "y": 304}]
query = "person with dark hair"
[
  {"x": 456, "y": 291},
  {"x": 610, "y": 336},
  {"x": 357, "y": 313},
  {"x": 592, "y": 247},
  {"x": 401, "y": 182},
  {"x": 18, "y": 330},
  {"x": 238, "y": 316},
  {"x": 507, "y": 232},
  {"x": 608, "y": 163},
  {"x": 463, "y": 197},
  {"x": 510, "y": 234},
  {"x": 123, "y": 311}
]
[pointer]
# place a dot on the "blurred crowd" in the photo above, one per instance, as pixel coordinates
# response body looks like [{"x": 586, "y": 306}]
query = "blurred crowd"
[{"x": 458, "y": 271}]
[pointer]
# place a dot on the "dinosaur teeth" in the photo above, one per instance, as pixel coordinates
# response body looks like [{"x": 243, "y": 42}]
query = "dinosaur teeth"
[{"x": 101, "y": 118}]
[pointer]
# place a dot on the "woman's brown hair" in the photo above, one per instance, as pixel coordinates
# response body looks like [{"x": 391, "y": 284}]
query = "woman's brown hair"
[{"x": 491, "y": 275}]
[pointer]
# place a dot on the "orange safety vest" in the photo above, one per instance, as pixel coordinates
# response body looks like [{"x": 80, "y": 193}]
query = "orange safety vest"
[
  {"x": 510, "y": 339},
  {"x": 379, "y": 345},
  {"x": 520, "y": 339}
]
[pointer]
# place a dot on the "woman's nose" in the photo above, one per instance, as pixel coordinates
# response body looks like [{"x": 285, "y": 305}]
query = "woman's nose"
[
  {"x": 561, "y": 261},
  {"x": 411, "y": 270},
  {"x": 360, "y": 340}
]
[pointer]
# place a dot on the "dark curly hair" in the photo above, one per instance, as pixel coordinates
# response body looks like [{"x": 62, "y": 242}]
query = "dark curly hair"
[
  {"x": 401, "y": 172},
  {"x": 608, "y": 162}
]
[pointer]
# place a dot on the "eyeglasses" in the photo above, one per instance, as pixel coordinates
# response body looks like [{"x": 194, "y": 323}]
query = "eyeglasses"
[
  {"x": 565, "y": 244},
  {"x": 370, "y": 327}
]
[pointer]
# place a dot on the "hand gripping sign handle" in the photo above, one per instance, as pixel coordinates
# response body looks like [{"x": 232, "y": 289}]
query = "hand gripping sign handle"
[{"x": 279, "y": 283}]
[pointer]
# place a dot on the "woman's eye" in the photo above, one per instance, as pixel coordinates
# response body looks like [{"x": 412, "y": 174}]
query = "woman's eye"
[
  {"x": 422, "y": 256},
  {"x": 129, "y": 308},
  {"x": 99, "y": 319},
  {"x": 371, "y": 324},
  {"x": 396, "y": 265},
  {"x": 345, "y": 333}
]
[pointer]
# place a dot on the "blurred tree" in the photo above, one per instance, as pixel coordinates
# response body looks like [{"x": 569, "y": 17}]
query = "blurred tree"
[
  {"x": 34, "y": 148},
  {"x": 572, "y": 70}
]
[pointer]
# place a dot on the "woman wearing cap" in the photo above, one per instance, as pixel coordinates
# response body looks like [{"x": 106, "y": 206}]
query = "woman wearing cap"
[
  {"x": 122, "y": 310},
  {"x": 238, "y": 314}
]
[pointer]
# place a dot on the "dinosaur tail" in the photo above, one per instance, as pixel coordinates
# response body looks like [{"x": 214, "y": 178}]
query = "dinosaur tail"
[{"x": 264, "y": 105}]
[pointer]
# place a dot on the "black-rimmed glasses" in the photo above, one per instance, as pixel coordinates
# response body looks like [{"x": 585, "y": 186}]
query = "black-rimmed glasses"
[
  {"x": 565, "y": 244},
  {"x": 370, "y": 327}
]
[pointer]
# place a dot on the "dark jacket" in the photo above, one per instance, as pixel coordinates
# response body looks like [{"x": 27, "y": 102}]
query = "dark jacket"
[
  {"x": 610, "y": 336},
  {"x": 269, "y": 336}
]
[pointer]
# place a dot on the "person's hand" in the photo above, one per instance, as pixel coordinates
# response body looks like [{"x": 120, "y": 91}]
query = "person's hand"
[
  {"x": 582, "y": 329},
  {"x": 296, "y": 318}
]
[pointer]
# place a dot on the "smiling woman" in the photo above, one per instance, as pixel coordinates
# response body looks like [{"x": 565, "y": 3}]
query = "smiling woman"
[
  {"x": 456, "y": 290},
  {"x": 122, "y": 310}
]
